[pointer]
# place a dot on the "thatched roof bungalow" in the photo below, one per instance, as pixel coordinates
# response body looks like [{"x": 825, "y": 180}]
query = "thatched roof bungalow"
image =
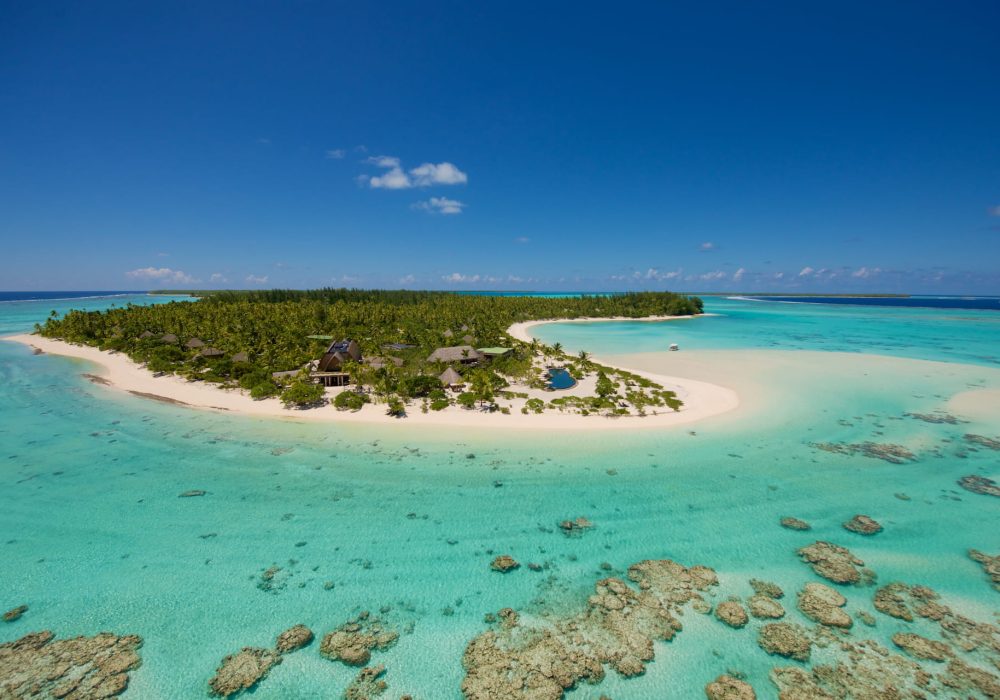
[
  {"x": 337, "y": 354},
  {"x": 194, "y": 344},
  {"x": 450, "y": 378},
  {"x": 211, "y": 353},
  {"x": 379, "y": 362},
  {"x": 466, "y": 354},
  {"x": 145, "y": 334},
  {"x": 168, "y": 338}
]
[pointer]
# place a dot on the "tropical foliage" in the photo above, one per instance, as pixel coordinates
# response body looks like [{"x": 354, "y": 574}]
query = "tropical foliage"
[{"x": 255, "y": 334}]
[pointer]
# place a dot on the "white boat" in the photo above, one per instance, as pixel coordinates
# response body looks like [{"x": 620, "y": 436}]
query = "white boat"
[{"x": 673, "y": 346}]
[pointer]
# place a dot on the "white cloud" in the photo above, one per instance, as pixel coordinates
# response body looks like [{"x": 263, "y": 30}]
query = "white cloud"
[
  {"x": 335, "y": 154},
  {"x": 440, "y": 205},
  {"x": 408, "y": 279},
  {"x": 456, "y": 277},
  {"x": 779, "y": 275},
  {"x": 394, "y": 179},
  {"x": 254, "y": 279},
  {"x": 425, "y": 175},
  {"x": 706, "y": 246},
  {"x": 514, "y": 278},
  {"x": 522, "y": 239},
  {"x": 217, "y": 277},
  {"x": 714, "y": 275},
  {"x": 994, "y": 211},
  {"x": 441, "y": 174},
  {"x": 806, "y": 271},
  {"x": 383, "y": 161},
  {"x": 162, "y": 275},
  {"x": 738, "y": 275},
  {"x": 866, "y": 272}
]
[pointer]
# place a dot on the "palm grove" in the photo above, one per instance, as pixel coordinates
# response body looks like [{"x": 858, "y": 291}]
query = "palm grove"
[{"x": 258, "y": 333}]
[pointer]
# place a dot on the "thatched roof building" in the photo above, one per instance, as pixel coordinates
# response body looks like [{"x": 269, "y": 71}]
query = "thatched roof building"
[
  {"x": 379, "y": 362},
  {"x": 212, "y": 352},
  {"x": 337, "y": 354},
  {"x": 240, "y": 357},
  {"x": 451, "y": 378},
  {"x": 194, "y": 344},
  {"x": 145, "y": 334},
  {"x": 168, "y": 338},
  {"x": 466, "y": 354}
]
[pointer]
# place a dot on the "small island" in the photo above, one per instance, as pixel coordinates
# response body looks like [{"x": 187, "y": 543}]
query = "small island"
[{"x": 396, "y": 354}]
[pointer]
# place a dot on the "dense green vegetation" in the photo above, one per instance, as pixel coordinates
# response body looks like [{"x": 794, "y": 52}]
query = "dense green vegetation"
[{"x": 272, "y": 328}]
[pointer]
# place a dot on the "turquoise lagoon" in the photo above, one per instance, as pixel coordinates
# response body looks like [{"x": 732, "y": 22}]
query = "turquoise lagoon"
[{"x": 95, "y": 537}]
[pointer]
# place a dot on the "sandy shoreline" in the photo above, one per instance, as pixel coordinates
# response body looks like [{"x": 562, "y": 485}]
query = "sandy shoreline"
[
  {"x": 520, "y": 330},
  {"x": 118, "y": 372}
]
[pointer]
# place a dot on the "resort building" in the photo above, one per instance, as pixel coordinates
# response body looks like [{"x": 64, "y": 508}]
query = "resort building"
[
  {"x": 493, "y": 353},
  {"x": 330, "y": 369},
  {"x": 451, "y": 379},
  {"x": 211, "y": 353},
  {"x": 168, "y": 338},
  {"x": 465, "y": 354},
  {"x": 194, "y": 344},
  {"x": 380, "y": 362}
]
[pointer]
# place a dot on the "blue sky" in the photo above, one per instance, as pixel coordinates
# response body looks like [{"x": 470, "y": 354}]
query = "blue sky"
[{"x": 454, "y": 145}]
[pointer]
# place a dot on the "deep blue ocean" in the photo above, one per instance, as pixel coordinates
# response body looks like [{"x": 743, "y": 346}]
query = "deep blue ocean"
[
  {"x": 915, "y": 302},
  {"x": 61, "y": 296}
]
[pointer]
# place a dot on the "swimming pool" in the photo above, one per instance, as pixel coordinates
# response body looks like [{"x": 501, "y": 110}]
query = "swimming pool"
[{"x": 560, "y": 379}]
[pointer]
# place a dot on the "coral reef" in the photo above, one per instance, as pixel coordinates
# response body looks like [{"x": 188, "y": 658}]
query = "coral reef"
[
  {"x": 822, "y": 604},
  {"x": 888, "y": 452},
  {"x": 833, "y": 562},
  {"x": 766, "y": 588},
  {"x": 354, "y": 641},
  {"x": 367, "y": 684},
  {"x": 81, "y": 668},
  {"x": 617, "y": 627},
  {"x": 921, "y": 647},
  {"x": 795, "y": 524},
  {"x": 293, "y": 638},
  {"x": 980, "y": 484},
  {"x": 991, "y": 565},
  {"x": 731, "y": 613},
  {"x": 863, "y": 525},
  {"x": 15, "y": 613},
  {"x": 785, "y": 639},
  {"x": 575, "y": 527},
  {"x": 504, "y": 563},
  {"x": 243, "y": 670},
  {"x": 765, "y": 607},
  {"x": 729, "y": 688},
  {"x": 982, "y": 441}
]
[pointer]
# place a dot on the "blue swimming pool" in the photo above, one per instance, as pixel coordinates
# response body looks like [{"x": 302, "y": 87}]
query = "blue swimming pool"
[{"x": 560, "y": 379}]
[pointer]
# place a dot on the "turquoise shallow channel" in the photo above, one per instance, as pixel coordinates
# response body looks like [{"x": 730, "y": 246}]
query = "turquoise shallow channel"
[{"x": 95, "y": 536}]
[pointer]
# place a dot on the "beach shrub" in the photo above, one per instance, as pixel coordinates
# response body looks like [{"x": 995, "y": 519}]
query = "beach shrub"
[
  {"x": 396, "y": 407},
  {"x": 420, "y": 386},
  {"x": 437, "y": 394},
  {"x": 605, "y": 387},
  {"x": 255, "y": 377},
  {"x": 440, "y": 404},
  {"x": 263, "y": 390},
  {"x": 467, "y": 399},
  {"x": 300, "y": 394},
  {"x": 349, "y": 401},
  {"x": 534, "y": 405}
]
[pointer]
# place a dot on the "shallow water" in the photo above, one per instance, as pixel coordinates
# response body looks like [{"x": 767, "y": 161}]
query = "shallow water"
[{"x": 96, "y": 538}]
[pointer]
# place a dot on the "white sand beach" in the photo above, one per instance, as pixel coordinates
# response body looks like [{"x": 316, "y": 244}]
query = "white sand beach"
[{"x": 117, "y": 372}]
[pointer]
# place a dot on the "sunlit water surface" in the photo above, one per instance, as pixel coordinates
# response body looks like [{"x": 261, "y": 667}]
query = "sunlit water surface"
[{"x": 96, "y": 538}]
